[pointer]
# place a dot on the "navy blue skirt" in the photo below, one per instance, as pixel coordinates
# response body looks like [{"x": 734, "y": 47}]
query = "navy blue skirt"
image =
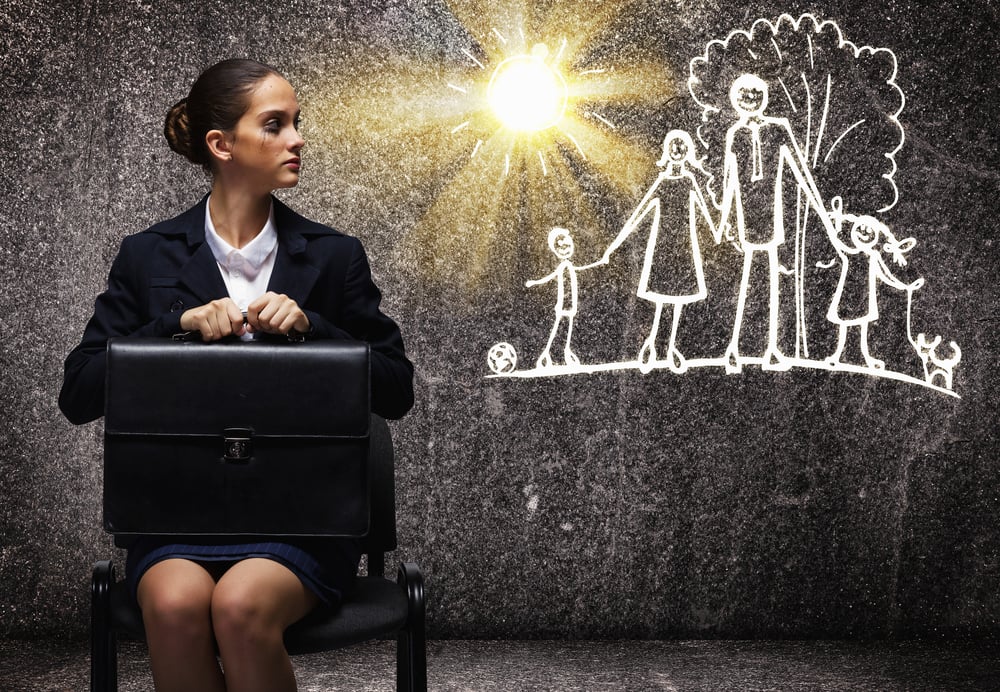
[{"x": 326, "y": 566}]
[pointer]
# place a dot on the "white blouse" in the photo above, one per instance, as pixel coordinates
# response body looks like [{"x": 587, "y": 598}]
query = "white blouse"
[{"x": 247, "y": 270}]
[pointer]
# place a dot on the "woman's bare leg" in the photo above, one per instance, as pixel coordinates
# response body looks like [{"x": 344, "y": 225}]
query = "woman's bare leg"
[
  {"x": 175, "y": 597},
  {"x": 253, "y": 603}
]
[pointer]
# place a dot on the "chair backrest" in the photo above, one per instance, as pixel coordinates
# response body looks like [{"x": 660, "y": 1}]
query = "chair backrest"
[{"x": 381, "y": 536}]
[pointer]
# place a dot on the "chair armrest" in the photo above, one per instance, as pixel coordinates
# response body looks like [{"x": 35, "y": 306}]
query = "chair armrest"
[
  {"x": 412, "y": 581},
  {"x": 101, "y": 582},
  {"x": 103, "y": 647}
]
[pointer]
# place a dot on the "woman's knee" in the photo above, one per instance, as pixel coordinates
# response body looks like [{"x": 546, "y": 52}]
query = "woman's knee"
[
  {"x": 255, "y": 601},
  {"x": 176, "y": 600},
  {"x": 240, "y": 614}
]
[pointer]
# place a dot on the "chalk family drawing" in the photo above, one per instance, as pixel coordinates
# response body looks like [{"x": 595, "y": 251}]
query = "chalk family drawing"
[{"x": 791, "y": 166}]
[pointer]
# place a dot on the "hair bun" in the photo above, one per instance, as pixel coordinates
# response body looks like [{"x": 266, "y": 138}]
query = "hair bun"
[
  {"x": 177, "y": 130},
  {"x": 217, "y": 100}
]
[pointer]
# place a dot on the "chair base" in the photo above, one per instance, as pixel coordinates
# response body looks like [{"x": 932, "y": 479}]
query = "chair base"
[{"x": 377, "y": 608}]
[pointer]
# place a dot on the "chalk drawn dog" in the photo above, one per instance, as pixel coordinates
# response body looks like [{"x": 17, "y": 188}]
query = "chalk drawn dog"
[{"x": 934, "y": 366}]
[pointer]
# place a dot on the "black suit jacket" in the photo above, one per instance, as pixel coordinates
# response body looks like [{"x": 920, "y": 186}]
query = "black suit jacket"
[{"x": 169, "y": 268}]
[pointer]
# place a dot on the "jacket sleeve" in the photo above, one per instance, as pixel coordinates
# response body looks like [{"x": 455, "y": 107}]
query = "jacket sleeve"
[
  {"x": 361, "y": 319},
  {"x": 119, "y": 311}
]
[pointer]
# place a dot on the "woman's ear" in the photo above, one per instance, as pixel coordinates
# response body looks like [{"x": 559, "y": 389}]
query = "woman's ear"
[{"x": 220, "y": 147}]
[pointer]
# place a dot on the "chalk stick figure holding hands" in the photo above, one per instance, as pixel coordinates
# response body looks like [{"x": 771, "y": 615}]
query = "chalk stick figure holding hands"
[
  {"x": 561, "y": 244},
  {"x": 863, "y": 267}
]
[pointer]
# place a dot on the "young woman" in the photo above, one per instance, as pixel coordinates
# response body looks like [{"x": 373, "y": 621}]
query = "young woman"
[{"x": 237, "y": 252}]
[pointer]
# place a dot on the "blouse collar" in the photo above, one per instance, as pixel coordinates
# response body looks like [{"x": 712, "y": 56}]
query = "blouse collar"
[{"x": 251, "y": 257}]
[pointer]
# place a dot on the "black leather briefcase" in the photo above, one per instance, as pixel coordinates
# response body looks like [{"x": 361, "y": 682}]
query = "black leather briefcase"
[{"x": 239, "y": 438}]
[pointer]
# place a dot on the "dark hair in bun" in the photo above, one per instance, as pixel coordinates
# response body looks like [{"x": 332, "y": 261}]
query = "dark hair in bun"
[{"x": 218, "y": 99}]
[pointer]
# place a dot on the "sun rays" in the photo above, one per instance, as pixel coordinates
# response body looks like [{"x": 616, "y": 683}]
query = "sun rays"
[{"x": 494, "y": 131}]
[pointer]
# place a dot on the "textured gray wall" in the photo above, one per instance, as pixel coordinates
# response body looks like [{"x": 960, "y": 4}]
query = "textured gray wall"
[{"x": 803, "y": 503}]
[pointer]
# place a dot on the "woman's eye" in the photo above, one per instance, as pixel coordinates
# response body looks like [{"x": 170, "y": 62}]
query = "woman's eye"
[
  {"x": 298, "y": 122},
  {"x": 272, "y": 126}
]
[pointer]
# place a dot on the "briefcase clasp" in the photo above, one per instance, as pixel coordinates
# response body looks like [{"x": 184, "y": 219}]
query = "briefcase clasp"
[{"x": 238, "y": 444}]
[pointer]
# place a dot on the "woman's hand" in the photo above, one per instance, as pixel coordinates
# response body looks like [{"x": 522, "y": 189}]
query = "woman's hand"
[
  {"x": 215, "y": 320},
  {"x": 276, "y": 313}
]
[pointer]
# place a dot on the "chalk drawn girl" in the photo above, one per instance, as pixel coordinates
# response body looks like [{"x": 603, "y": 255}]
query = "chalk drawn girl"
[
  {"x": 672, "y": 271},
  {"x": 855, "y": 301}
]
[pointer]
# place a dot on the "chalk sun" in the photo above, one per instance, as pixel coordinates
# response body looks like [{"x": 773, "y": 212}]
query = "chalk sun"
[{"x": 517, "y": 122}]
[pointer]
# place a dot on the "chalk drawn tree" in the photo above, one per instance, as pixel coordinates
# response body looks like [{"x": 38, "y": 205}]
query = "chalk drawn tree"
[{"x": 841, "y": 101}]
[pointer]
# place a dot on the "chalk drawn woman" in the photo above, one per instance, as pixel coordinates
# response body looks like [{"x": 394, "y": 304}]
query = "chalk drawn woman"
[{"x": 672, "y": 272}]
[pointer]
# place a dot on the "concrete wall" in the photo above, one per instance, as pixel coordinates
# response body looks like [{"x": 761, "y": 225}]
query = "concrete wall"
[{"x": 803, "y": 503}]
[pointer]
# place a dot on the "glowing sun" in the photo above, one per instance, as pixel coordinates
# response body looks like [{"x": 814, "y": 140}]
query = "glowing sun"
[
  {"x": 527, "y": 94},
  {"x": 523, "y": 122}
]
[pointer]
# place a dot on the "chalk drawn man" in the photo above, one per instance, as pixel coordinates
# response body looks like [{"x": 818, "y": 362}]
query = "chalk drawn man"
[
  {"x": 561, "y": 244},
  {"x": 760, "y": 149},
  {"x": 672, "y": 270}
]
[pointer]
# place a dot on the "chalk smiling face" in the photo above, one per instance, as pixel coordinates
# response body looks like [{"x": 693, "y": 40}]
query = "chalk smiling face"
[
  {"x": 677, "y": 149},
  {"x": 749, "y": 94},
  {"x": 864, "y": 233},
  {"x": 561, "y": 243}
]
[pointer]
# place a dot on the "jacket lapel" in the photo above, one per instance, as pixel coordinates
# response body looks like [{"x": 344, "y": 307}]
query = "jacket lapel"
[
  {"x": 292, "y": 274},
  {"x": 200, "y": 273},
  {"x": 202, "y": 277}
]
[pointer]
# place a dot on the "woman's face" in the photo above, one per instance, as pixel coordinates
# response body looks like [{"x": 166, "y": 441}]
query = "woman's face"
[{"x": 265, "y": 144}]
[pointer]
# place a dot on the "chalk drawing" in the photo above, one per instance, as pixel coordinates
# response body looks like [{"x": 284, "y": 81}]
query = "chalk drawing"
[
  {"x": 561, "y": 244},
  {"x": 863, "y": 267},
  {"x": 673, "y": 204},
  {"x": 759, "y": 149},
  {"x": 524, "y": 106},
  {"x": 502, "y": 358},
  {"x": 794, "y": 117},
  {"x": 934, "y": 366},
  {"x": 841, "y": 104}
]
